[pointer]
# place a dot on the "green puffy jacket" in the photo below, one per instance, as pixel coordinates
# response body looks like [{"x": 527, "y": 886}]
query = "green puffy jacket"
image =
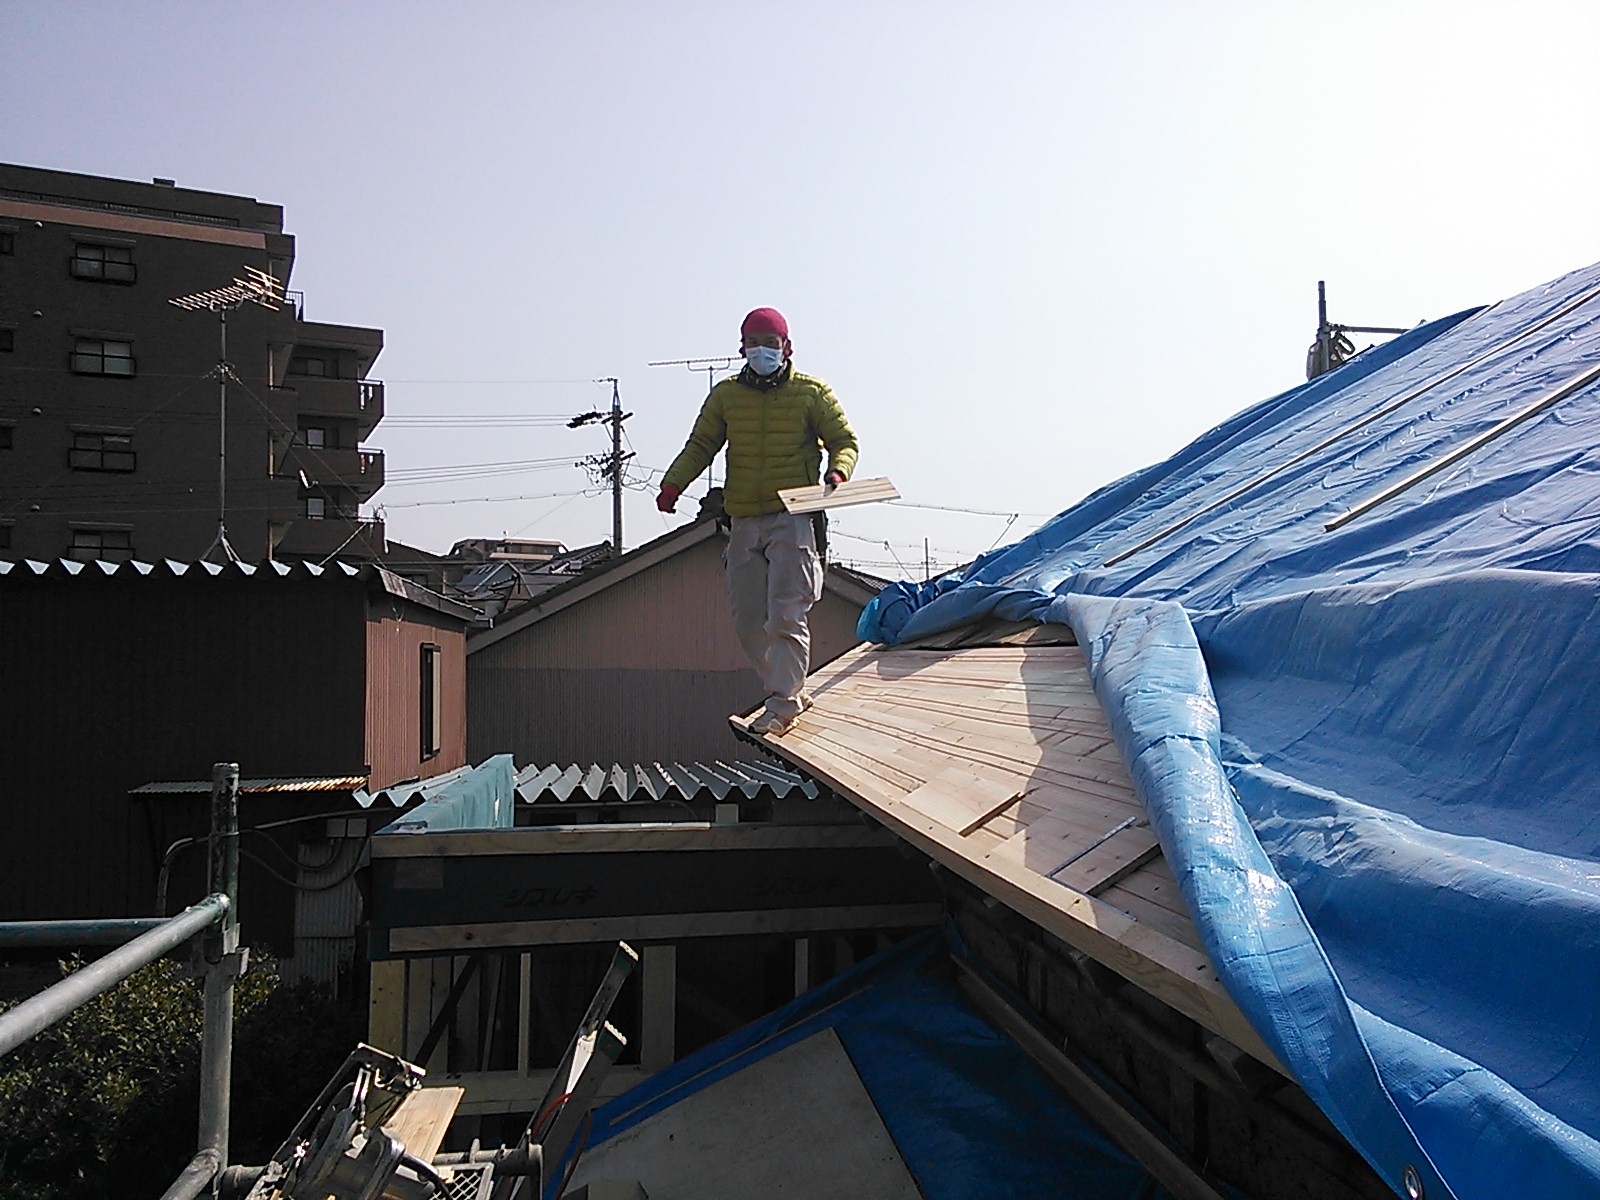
[{"x": 775, "y": 440}]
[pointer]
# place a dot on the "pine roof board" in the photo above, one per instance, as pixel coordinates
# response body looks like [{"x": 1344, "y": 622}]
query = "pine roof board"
[{"x": 997, "y": 761}]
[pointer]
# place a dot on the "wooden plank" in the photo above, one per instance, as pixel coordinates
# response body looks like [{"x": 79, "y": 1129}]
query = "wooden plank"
[
  {"x": 422, "y": 1117},
  {"x": 1113, "y": 859},
  {"x": 851, "y": 491},
  {"x": 386, "y": 1010},
  {"x": 1153, "y": 916},
  {"x": 962, "y": 800}
]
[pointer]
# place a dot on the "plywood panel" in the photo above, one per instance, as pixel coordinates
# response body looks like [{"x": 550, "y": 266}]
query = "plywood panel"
[{"x": 797, "y": 1124}]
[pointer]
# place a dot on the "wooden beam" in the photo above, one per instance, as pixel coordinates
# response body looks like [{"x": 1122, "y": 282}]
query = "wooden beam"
[
  {"x": 386, "y": 1009},
  {"x": 604, "y": 839},
  {"x": 659, "y": 984},
  {"x": 1145, "y": 1143},
  {"x": 657, "y": 927}
]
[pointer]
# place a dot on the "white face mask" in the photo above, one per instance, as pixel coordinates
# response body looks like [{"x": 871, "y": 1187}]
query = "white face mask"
[{"x": 763, "y": 360}]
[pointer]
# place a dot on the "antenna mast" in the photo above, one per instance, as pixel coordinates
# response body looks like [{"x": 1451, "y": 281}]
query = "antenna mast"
[
  {"x": 258, "y": 288},
  {"x": 712, "y": 367}
]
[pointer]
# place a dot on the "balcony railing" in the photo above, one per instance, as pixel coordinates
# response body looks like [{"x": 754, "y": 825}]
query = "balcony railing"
[{"x": 320, "y": 395}]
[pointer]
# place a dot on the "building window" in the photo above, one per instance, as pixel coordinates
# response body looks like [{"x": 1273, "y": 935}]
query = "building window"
[
  {"x": 316, "y": 508},
  {"x": 6, "y": 434},
  {"x": 8, "y": 340},
  {"x": 315, "y": 436},
  {"x": 8, "y": 242},
  {"x": 102, "y": 452},
  {"x": 432, "y": 674},
  {"x": 320, "y": 365},
  {"x": 109, "y": 264},
  {"x": 96, "y": 356},
  {"x": 5, "y": 537},
  {"x": 109, "y": 545}
]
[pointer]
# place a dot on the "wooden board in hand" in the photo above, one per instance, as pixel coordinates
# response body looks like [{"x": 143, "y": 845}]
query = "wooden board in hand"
[{"x": 851, "y": 491}]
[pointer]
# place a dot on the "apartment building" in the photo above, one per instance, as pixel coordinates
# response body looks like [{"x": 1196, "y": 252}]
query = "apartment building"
[{"x": 116, "y": 433}]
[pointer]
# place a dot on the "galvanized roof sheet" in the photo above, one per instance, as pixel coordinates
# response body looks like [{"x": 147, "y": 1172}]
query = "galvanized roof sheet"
[
  {"x": 620, "y": 783},
  {"x": 313, "y": 783},
  {"x": 402, "y": 794},
  {"x": 167, "y": 568}
]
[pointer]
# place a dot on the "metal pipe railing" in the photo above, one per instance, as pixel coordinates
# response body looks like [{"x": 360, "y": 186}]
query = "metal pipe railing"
[
  {"x": 35, "y": 1015},
  {"x": 196, "y": 1178},
  {"x": 224, "y": 964},
  {"x": 47, "y": 934}
]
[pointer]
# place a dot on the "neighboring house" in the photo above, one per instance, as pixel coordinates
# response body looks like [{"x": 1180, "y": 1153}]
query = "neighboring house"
[
  {"x": 318, "y": 682},
  {"x": 1266, "y": 775},
  {"x": 109, "y": 398},
  {"x": 509, "y": 578},
  {"x": 632, "y": 661}
]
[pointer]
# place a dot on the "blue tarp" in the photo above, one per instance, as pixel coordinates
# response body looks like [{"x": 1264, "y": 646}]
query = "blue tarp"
[
  {"x": 972, "y": 1117},
  {"x": 1371, "y": 751},
  {"x": 480, "y": 797}
]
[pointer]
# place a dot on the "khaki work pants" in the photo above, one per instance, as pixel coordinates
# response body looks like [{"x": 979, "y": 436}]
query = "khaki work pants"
[{"x": 774, "y": 577}]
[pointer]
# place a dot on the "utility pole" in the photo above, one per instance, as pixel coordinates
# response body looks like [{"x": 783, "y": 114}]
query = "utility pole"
[
  {"x": 712, "y": 367},
  {"x": 259, "y": 288},
  {"x": 608, "y": 467}
]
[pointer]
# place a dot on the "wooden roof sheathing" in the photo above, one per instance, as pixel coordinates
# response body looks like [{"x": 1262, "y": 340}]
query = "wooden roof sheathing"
[{"x": 998, "y": 762}]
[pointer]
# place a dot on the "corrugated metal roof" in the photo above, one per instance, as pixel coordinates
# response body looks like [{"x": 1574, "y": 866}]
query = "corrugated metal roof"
[
  {"x": 647, "y": 783},
  {"x": 371, "y": 573},
  {"x": 402, "y": 794},
  {"x": 319, "y": 783}
]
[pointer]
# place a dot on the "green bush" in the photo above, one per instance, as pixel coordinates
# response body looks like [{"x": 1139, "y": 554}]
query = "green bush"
[{"x": 107, "y": 1101}]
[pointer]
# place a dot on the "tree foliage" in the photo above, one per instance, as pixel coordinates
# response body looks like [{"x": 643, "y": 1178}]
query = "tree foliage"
[{"x": 107, "y": 1101}]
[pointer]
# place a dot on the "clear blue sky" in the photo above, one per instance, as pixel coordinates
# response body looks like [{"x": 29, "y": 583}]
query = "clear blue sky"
[{"x": 1033, "y": 246}]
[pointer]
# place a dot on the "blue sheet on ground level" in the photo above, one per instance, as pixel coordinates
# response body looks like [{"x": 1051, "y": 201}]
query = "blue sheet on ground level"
[
  {"x": 1371, "y": 752},
  {"x": 971, "y": 1115}
]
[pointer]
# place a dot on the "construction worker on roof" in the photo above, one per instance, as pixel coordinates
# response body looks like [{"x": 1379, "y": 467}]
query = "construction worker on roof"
[{"x": 776, "y": 423}]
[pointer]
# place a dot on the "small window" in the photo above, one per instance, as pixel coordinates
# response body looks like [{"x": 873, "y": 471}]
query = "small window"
[
  {"x": 6, "y": 435},
  {"x": 102, "y": 452},
  {"x": 302, "y": 363},
  {"x": 8, "y": 340},
  {"x": 108, "y": 545},
  {"x": 316, "y": 507},
  {"x": 8, "y": 242},
  {"x": 432, "y": 678},
  {"x": 109, "y": 264},
  {"x": 315, "y": 436},
  {"x": 5, "y": 537},
  {"x": 96, "y": 356}
]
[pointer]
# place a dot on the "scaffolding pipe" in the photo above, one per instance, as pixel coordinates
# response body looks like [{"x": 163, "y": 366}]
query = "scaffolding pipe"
[
  {"x": 223, "y": 964},
  {"x": 47, "y": 934},
  {"x": 196, "y": 1178},
  {"x": 35, "y": 1015}
]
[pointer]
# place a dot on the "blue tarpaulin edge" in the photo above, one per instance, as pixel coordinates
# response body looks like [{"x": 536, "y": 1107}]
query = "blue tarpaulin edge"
[{"x": 971, "y": 1115}]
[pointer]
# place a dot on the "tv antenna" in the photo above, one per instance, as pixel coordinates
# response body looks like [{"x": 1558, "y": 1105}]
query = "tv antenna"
[
  {"x": 258, "y": 287},
  {"x": 1332, "y": 348},
  {"x": 712, "y": 367},
  {"x": 608, "y": 466}
]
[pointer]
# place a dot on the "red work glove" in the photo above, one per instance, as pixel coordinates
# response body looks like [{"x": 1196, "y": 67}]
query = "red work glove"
[
  {"x": 833, "y": 478},
  {"x": 667, "y": 501}
]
